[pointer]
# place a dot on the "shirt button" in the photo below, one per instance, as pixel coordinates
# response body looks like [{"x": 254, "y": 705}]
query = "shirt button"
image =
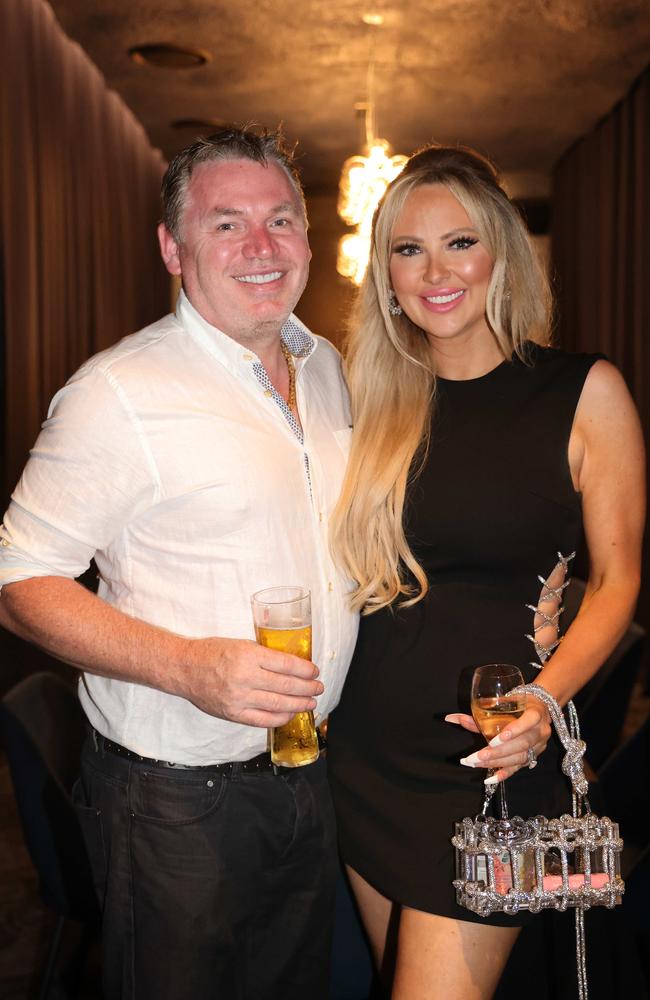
[
  {"x": 320, "y": 516},
  {"x": 332, "y": 654},
  {"x": 329, "y": 586},
  {"x": 247, "y": 357},
  {"x": 5, "y": 542},
  {"x": 268, "y": 392}
]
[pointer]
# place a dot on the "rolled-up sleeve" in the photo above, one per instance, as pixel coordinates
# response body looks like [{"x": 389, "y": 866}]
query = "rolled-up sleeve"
[{"x": 89, "y": 474}]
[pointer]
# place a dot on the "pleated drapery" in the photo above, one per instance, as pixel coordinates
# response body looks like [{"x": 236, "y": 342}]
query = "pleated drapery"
[
  {"x": 601, "y": 250},
  {"x": 79, "y": 199}
]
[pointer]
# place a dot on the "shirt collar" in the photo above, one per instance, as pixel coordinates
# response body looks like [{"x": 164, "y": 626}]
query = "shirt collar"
[{"x": 294, "y": 333}]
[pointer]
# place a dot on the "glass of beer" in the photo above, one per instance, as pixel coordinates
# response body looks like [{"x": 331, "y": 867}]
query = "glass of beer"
[{"x": 282, "y": 617}]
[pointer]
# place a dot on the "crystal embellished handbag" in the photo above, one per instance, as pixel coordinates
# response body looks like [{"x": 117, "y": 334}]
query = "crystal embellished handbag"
[{"x": 507, "y": 865}]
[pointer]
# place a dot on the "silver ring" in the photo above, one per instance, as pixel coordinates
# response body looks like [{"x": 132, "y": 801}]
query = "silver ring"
[{"x": 531, "y": 759}]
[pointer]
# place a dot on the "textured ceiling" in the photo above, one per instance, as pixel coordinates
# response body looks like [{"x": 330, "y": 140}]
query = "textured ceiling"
[{"x": 520, "y": 79}]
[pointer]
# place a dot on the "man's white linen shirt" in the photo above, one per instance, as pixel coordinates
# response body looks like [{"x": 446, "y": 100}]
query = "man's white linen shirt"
[{"x": 169, "y": 458}]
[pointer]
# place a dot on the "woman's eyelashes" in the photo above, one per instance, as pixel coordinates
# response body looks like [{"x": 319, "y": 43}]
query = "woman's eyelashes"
[
  {"x": 462, "y": 242},
  {"x": 407, "y": 249},
  {"x": 457, "y": 243}
]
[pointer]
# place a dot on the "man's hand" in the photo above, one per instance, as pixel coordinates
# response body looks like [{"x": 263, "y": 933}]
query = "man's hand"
[
  {"x": 239, "y": 680},
  {"x": 232, "y": 679}
]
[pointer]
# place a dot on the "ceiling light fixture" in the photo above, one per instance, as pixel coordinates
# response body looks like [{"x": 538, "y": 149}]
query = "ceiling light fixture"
[
  {"x": 198, "y": 124},
  {"x": 364, "y": 178},
  {"x": 168, "y": 56}
]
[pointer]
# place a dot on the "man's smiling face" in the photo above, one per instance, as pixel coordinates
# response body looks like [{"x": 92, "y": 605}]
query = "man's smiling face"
[{"x": 242, "y": 250}]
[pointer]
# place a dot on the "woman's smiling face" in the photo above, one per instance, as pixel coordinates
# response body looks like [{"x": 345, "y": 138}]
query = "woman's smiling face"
[{"x": 438, "y": 268}]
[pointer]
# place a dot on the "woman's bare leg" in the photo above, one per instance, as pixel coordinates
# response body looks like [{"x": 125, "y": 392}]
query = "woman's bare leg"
[
  {"x": 375, "y": 911},
  {"x": 443, "y": 959}
]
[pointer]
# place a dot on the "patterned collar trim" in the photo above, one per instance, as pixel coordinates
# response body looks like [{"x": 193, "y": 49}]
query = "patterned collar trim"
[
  {"x": 295, "y": 335},
  {"x": 299, "y": 341}
]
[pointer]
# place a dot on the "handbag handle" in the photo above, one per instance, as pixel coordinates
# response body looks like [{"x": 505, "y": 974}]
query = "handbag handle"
[{"x": 575, "y": 748}]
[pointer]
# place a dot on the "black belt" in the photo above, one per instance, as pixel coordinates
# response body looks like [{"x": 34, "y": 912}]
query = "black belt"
[{"x": 256, "y": 765}]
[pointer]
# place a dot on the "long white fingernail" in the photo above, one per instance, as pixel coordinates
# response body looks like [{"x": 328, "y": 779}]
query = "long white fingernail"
[
  {"x": 472, "y": 760},
  {"x": 496, "y": 741},
  {"x": 492, "y": 780}
]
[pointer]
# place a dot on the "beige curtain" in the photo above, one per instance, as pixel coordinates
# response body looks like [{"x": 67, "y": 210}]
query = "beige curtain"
[
  {"x": 79, "y": 187},
  {"x": 601, "y": 249}
]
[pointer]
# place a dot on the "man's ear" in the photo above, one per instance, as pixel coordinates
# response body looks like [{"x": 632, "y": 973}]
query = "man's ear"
[{"x": 169, "y": 249}]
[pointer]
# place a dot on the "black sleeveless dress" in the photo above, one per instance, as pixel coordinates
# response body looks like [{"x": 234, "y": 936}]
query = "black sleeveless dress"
[{"x": 491, "y": 516}]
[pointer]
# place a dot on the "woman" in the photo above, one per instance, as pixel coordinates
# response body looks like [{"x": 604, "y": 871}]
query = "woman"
[{"x": 478, "y": 454}]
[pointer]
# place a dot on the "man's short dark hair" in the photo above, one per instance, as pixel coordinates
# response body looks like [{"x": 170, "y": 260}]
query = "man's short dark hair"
[{"x": 228, "y": 143}]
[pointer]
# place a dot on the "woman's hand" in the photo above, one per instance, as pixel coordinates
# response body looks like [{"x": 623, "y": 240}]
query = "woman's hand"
[{"x": 509, "y": 751}]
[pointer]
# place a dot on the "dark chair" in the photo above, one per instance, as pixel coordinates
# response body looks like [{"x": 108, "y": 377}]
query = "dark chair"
[
  {"x": 43, "y": 726},
  {"x": 602, "y": 704},
  {"x": 624, "y": 791},
  {"x": 618, "y": 941}
]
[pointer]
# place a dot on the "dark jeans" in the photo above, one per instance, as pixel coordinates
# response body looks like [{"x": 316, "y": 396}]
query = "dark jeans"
[{"x": 211, "y": 887}]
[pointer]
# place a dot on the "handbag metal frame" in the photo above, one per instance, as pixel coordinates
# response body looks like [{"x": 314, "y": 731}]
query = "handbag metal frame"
[{"x": 503, "y": 865}]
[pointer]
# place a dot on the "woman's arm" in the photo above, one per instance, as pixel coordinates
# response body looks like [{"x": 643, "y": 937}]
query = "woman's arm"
[{"x": 606, "y": 456}]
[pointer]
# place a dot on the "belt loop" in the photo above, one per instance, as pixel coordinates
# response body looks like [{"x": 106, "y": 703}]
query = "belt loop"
[
  {"x": 236, "y": 770},
  {"x": 95, "y": 740},
  {"x": 276, "y": 769}
]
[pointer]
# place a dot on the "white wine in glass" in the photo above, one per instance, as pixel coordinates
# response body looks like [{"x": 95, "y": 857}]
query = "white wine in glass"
[{"x": 493, "y": 707}]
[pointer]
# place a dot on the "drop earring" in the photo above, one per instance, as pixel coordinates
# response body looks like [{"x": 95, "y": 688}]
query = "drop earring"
[{"x": 394, "y": 308}]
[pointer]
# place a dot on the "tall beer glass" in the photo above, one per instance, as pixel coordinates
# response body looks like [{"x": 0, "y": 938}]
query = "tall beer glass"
[{"x": 282, "y": 617}]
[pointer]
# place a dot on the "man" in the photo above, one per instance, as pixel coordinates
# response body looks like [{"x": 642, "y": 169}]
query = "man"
[{"x": 180, "y": 460}]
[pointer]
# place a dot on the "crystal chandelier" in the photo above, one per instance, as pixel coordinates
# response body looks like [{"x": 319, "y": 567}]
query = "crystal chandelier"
[{"x": 364, "y": 179}]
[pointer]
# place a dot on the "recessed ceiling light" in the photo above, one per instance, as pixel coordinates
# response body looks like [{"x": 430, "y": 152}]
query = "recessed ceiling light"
[
  {"x": 199, "y": 124},
  {"x": 168, "y": 56},
  {"x": 374, "y": 19}
]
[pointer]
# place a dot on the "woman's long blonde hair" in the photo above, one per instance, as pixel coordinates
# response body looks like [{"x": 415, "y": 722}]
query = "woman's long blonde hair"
[{"x": 392, "y": 379}]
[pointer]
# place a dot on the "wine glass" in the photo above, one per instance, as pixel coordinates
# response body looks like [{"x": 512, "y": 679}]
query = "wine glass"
[{"x": 493, "y": 706}]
